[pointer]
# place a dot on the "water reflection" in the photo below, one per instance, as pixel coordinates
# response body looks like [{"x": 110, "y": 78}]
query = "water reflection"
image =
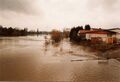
[{"x": 37, "y": 58}]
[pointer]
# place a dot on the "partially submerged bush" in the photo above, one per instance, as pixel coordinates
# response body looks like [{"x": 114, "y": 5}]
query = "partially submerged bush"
[
  {"x": 56, "y": 36},
  {"x": 66, "y": 34}
]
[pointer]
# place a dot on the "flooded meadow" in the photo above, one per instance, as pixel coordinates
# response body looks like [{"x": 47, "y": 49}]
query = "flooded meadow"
[{"x": 34, "y": 58}]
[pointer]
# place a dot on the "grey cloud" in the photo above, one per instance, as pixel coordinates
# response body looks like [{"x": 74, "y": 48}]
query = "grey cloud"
[
  {"x": 22, "y": 6},
  {"x": 108, "y": 5}
]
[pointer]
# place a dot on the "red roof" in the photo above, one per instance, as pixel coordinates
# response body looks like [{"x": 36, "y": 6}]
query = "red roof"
[{"x": 93, "y": 32}]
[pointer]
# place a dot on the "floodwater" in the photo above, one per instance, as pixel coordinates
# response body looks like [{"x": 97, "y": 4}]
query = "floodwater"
[{"x": 31, "y": 58}]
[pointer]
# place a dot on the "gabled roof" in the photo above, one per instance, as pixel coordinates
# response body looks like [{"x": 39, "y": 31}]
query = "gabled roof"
[
  {"x": 114, "y": 29},
  {"x": 96, "y": 32},
  {"x": 85, "y": 31},
  {"x": 117, "y": 30},
  {"x": 110, "y": 31}
]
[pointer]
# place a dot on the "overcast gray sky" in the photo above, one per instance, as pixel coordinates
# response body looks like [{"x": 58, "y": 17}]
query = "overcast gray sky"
[{"x": 49, "y": 14}]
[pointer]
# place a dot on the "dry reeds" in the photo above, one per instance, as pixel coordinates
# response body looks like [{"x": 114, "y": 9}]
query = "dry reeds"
[{"x": 56, "y": 36}]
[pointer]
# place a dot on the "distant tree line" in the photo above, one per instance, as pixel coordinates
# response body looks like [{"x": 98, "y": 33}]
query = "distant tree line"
[
  {"x": 4, "y": 31},
  {"x": 10, "y": 31},
  {"x": 74, "y": 32},
  {"x": 38, "y": 32}
]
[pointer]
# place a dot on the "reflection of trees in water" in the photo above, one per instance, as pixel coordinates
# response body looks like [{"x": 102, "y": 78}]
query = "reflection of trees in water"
[
  {"x": 80, "y": 47},
  {"x": 63, "y": 47},
  {"x": 47, "y": 42},
  {"x": 56, "y": 44},
  {"x": 58, "y": 49},
  {"x": 45, "y": 48}
]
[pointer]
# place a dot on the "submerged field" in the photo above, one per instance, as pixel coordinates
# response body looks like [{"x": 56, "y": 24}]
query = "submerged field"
[{"x": 31, "y": 58}]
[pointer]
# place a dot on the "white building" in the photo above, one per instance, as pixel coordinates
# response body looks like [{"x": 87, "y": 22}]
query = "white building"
[
  {"x": 117, "y": 30},
  {"x": 101, "y": 35}
]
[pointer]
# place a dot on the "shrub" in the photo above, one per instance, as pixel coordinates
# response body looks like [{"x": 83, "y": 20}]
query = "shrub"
[{"x": 56, "y": 36}]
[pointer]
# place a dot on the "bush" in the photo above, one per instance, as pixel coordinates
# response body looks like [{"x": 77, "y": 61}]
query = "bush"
[{"x": 56, "y": 36}]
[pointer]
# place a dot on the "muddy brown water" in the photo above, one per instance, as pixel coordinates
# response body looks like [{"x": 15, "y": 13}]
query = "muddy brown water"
[{"x": 31, "y": 59}]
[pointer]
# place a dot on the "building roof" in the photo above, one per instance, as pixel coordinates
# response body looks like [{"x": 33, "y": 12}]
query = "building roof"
[
  {"x": 86, "y": 31},
  {"x": 115, "y": 29},
  {"x": 96, "y": 32}
]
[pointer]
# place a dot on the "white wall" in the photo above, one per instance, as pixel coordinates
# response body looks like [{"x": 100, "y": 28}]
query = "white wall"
[
  {"x": 103, "y": 36},
  {"x": 118, "y": 36},
  {"x": 89, "y": 36},
  {"x": 117, "y": 30}
]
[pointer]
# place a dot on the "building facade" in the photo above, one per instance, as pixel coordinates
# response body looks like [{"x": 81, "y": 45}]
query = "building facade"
[{"x": 98, "y": 36}]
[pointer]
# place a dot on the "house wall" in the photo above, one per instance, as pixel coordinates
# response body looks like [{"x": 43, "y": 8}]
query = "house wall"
[
  {"x": 111, "y": 40},
  {"x": 103, "y": 36},
  {"x": 118, "y": 36},
  {"x": 118, "y": 33},
  {"x": 117, "y": 30}
]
